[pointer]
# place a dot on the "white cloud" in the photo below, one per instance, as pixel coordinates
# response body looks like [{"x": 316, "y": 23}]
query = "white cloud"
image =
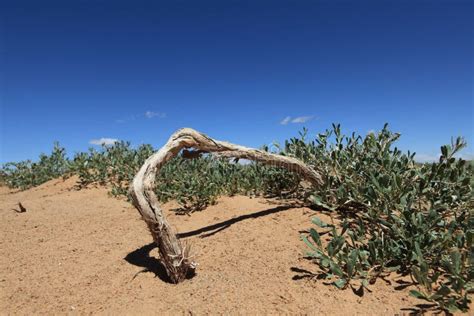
[
  {"x": 126, "y": 119},
  {"x": 301, "y": 119},
  {"x": 151, "y": 114},
  {"x": 465, "y": 156},
  {"x": 422, "y": 158},
  {"x": 103, "y": 141},
  {"x": 147, "y": 114},
  {"x": 296, "y": 120},
  {"x": 286, "y": 120}
]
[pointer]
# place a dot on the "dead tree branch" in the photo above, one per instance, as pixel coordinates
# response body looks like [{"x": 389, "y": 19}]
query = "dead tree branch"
[{"x": 174, "y": 255}]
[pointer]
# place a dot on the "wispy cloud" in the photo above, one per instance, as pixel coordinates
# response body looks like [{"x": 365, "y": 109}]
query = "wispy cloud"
[
  {"x": 301, "y": 119},
  {"x": 103, "y": 141},
  {"x": 296, "y": 120},
  {"x": 151, "y": 114},
  {"x": 422, "y": 158},
  {"x": 127, "y": 119},
  {"x": 146, "y": 115},
  {"x": 286, "y": 120},
  {"x": 465, "y": 156}
]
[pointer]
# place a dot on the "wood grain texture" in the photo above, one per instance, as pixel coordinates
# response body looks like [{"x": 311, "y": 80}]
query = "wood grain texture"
[{"x": 174, "y": 255}]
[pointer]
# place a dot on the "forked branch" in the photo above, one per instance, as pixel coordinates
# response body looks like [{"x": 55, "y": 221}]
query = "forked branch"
[{"x": 174, "y": 256}]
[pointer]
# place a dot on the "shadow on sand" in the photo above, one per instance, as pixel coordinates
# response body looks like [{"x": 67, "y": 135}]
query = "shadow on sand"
[{"x": 141, "y": 256}]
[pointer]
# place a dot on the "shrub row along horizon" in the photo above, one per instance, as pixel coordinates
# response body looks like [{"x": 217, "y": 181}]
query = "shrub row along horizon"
[{"x": 396, "y": 214}]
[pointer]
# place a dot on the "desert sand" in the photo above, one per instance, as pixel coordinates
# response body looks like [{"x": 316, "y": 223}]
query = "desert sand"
[{"x": 83, "y": 251}]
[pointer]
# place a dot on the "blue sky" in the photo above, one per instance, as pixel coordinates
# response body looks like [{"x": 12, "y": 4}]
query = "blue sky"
[{"x": 78, "y": 71}]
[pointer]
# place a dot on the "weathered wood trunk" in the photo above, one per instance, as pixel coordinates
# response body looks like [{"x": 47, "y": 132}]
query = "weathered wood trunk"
[{"x": 175, "y": 256}]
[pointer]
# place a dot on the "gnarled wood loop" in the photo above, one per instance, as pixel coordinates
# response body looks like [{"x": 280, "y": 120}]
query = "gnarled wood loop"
[{"x": 174, "y": 256}]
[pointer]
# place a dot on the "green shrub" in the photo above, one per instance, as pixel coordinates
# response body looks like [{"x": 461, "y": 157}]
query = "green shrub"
[
  {"x": 197, "y": 183},
  {"x": 398, "y": 216},
  {"x": 194, "y": 183},
  {"x": 27, "y": 174},
  {"x": 115, "y": 165}
]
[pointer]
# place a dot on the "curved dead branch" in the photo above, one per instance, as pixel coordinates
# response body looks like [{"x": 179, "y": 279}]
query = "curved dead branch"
[{"x": 174, "y": 255}]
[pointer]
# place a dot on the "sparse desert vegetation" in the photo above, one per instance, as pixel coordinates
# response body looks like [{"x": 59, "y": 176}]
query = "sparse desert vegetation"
[{"x": 376, "y": 214}]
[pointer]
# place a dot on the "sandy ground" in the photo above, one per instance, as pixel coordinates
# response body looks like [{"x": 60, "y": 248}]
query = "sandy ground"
[{"x": 81, "y": 252}]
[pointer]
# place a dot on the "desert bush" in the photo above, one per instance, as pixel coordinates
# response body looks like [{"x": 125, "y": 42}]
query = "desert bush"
[
  {"x": 194, "y": 183},
  {"x": 397, "y": 216},
  {"x": 91, "y": 167},
  {"x": 197, "y": 183},
  {"x": 115, "y": 165},
  {"x": 27, "y": 174}
]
